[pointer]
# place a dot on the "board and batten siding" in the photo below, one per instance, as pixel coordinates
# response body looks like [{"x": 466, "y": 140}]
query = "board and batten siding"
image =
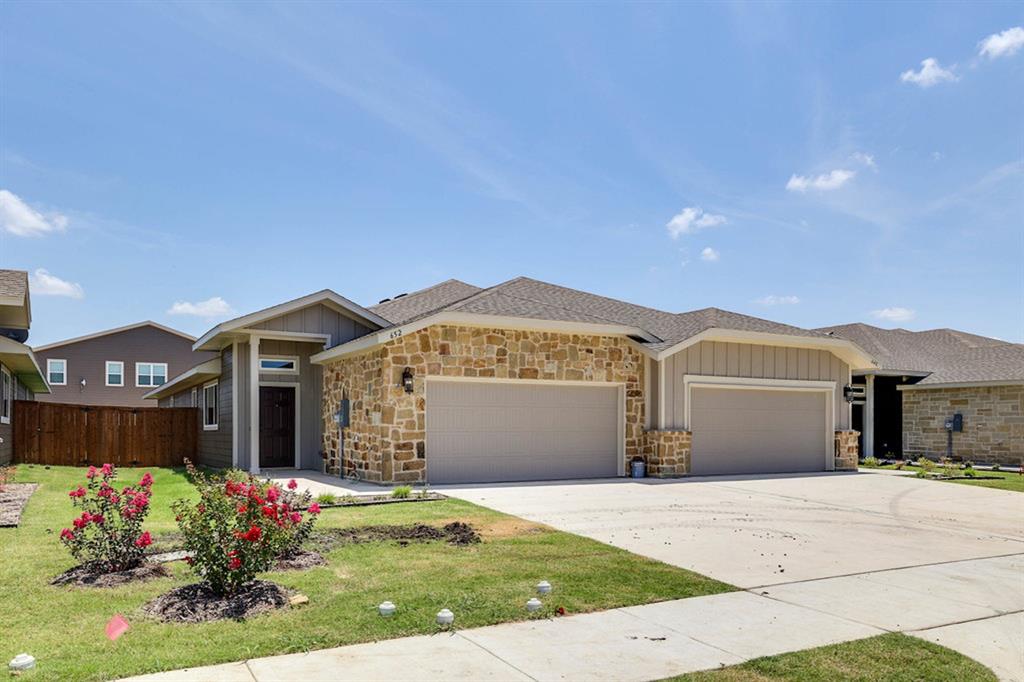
[
  {"x": 317, "y": 319},
  {"x": 310, "y": 379},
  {"x": 726, "y": 359},
  {"x": 21, "y": 392},
  {"x": 215, "y": 445}
]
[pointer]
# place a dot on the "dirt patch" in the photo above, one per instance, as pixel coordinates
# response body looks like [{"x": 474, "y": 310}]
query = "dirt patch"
[
  {"x": 13, "y": 499},
  {"x": 197, "y": 603},
  {"x": 510, "y": 527},
  {"x": 455, "y": 533},
  {"x": 300, "y": 561},
  {"x": 88, "y": 575}
]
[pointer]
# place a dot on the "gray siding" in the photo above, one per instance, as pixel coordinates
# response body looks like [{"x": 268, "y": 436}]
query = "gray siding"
[
  {"x": 317, "y": 319},
  {"x": 214, "y": 446},
  {"x": 723, "y": 359},
  {"x": 87, "y": 360},
  {"x": 21, "y": 392}
]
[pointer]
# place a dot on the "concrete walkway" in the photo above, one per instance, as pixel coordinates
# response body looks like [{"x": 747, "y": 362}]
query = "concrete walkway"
[{"x": 982, "y": 618}]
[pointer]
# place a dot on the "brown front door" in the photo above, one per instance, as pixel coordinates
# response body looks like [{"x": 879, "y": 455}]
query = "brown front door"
[{"x": 277, "y": 426}]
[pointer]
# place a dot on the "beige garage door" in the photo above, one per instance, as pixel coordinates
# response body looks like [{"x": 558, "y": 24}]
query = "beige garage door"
[
  {"x": 483, "y": 431},
  {"x": 751, "y": 431}
]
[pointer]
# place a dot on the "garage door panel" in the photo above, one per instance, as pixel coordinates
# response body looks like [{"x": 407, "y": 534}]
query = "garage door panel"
[
  {"x": 501, "y": 431},
  {"x": 739, "y": 431}
]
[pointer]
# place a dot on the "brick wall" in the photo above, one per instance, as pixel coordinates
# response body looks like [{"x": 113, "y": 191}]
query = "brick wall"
[
  {"x": 386, "y": 440},
  {"x": 993, "y": 423}
]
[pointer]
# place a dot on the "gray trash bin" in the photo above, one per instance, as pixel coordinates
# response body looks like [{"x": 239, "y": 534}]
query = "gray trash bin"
[{"x": 638, "y": 468}]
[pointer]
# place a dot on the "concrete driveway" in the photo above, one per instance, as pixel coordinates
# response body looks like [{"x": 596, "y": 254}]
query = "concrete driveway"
[{"x": 941, "y": 561}]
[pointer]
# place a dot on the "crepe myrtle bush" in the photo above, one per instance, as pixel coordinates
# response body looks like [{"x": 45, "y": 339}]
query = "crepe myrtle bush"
[
  {"x": 108, "y": 533},
  {"x": 239, "y": 526}
]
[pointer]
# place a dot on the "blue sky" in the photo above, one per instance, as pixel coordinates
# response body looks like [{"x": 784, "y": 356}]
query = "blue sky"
[{"x": 801, "y": 162}]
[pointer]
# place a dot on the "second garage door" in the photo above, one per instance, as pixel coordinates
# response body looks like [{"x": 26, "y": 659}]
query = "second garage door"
[
  {"x": 751, "y": 431},
  {"x": 501, "y": 431}
]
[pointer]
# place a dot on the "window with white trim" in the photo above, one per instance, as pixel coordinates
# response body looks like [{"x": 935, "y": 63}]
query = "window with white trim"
[
  {"x": 57, "y": 372},
  {"x": 211, "y": 406},
  {"x": 150, "y": 373},
  {"x": 114, "y": 371},
  {"x": 6, "y": 395},
  {"x": 282, "y": 365},
  {"x": 195, "y": 397}
]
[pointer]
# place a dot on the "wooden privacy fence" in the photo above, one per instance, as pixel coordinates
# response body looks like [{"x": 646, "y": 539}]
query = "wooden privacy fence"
[{"x": 76, "y": 435}]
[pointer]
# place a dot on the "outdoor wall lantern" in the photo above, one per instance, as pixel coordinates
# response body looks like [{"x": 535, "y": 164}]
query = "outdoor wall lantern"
[
  {"x": 407, "y": 379},
  {"x": 853, "y": 393}
]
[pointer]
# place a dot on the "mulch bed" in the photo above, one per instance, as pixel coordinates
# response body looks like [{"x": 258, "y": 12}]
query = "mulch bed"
[
  {"x": 456, "y": 533},
  {"x": 13, "y": 499},
  {"x": 300, "y": 561},
  {"x": 367, "y": 500},
  {"x": 88, "y": 575},
  {"x": 197, "y": 603}
]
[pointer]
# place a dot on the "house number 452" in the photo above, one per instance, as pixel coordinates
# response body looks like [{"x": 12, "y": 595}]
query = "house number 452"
[{"x": 395, "y": 334}]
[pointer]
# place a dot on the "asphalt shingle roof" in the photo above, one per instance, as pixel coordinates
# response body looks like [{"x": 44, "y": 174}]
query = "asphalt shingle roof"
[
  {"x": 408, "y": 307},
  {"x": 13, "y": 283},
  {"x": 947, "y": 355}
]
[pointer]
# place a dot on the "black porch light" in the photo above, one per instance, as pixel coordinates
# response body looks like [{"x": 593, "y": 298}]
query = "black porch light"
[
  {"x": 851, "y": 393},
  {"x": 407, "y": 379}
]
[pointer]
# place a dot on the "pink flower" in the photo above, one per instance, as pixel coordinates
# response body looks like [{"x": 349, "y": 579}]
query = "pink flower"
[
  {"x": 80, "y": 523},
  {"x": 67, "y": 534},
  {"x": 272, "y": 494},
  {"x": 91, "y": 473},
  {"x": 270, "y": 512},
  {"x": 147, "y": 480},
  {"x": 140, "y": 500},
  {"x": 78, "y": 492},
  {"x": 114, "y": 499},
  {"x": 234, "y": 563},
  {"x": 107, "y": 469},
  {"x": 97, "y": 519},
  {"x": 314, "y": 508},
  {"x": 292, "y": 485},
  {"x": 130, "y": 511},
  {"x": 251, "y": 535},
  {"x": 145, "y": 540},
  {"x": 295, "y": 517}
]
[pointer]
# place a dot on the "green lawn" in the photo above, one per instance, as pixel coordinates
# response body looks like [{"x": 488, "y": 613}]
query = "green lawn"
[
  {"x": 483, "y": 584},
  {"x": 886, "y": 658},
  {"x": 1006, "y": 480}
]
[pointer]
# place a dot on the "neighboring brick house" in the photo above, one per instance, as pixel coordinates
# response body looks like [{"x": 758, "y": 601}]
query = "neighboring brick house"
[
  {"x": 117, "y": 366},
  {"x": 523, "y": 380},
  {"x": 925, "y": 378},
  {"x": 20, "y": 375}
]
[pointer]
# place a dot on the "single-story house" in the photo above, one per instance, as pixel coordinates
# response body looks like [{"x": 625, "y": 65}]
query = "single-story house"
[
  {"x": 923, "y": 379},
  {"x": 116, "y": 366},
  {"x": 524, "y": 380},
  {"x": 20, "y": 375}
]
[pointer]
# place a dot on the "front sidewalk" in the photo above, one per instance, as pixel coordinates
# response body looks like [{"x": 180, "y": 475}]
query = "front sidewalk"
[{"x": 646, "y": 642}]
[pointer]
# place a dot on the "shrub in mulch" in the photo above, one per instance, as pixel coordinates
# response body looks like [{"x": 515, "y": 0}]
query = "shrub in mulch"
[
  {"x": 198, "y": 602},
  {"x": 97, "y": 575},
  {"x": 13, "y": 498},
  {"x": 456, "y": 533}
]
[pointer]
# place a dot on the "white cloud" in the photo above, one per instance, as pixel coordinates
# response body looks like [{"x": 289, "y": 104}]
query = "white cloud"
[
  {"x": 709, "y": 254},
  {"x": 772, "y": 299},
  {"x": 211, "y": 307},
  {"x": 1002, "y": 44},
  {"x": 866, "y": 159},
  {"x": 894, "y": 314},
  {"x": 823, "y": 183},
  {"x": 931, "y": 73},
  {"x": 42, "y": 283},
  {"x": 937, "y": 156},
  {"x": 693, "y": 219},
  {"x": 20, "y": 219}
]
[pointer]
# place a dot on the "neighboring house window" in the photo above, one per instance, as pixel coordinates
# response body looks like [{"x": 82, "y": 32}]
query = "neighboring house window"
[
  {"x": 6, "y": 395},
  {"x": 57, "y": 372},
  {"x": 150, "y": 373},
  {"x": 211, "y": 406},
  {"x": 287, "y": 365},
  {"x": 115, "y": 373}
]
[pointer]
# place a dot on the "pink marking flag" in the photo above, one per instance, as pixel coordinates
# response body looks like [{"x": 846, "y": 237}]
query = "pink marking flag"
[{"x": 116, "y": 627}]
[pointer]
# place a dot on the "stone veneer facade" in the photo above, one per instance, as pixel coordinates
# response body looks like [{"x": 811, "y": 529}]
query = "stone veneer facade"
[
  {"x": 846, "y": 450},
  {"x": 385, "y": 440},
  {"x": 993, "y": 423},
  {"x": 667, "y": 453}
]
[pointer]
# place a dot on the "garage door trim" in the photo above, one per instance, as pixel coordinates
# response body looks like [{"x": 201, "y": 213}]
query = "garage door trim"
[
  {"x": 621, "y": 421},
  {"x": 691, "y": 381}
]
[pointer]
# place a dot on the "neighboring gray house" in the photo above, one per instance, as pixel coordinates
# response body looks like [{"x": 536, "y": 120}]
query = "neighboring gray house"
[
  {"x": 20, "y": 375},
  {"x": 923, "y": 379},
  {"x": 117, "y": 366},
  {"x": 260, "y": 396}
]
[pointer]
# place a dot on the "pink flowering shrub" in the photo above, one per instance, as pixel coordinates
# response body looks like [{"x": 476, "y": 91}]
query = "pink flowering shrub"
[
  {"x": 108, "y": 533},
  {"x": 239, "y": 526}
]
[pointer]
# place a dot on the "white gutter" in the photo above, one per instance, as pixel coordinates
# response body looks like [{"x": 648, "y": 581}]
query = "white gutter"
[
  {"x": 961, "y": 384},
  {"x": 848, "y": 351}
]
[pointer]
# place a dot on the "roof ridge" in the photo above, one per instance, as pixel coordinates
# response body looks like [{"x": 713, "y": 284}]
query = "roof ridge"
[
  {"x": 115, "y": 330},
  {"x": 424, "y": 290},
  {"x": 590, "y": 293}
]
